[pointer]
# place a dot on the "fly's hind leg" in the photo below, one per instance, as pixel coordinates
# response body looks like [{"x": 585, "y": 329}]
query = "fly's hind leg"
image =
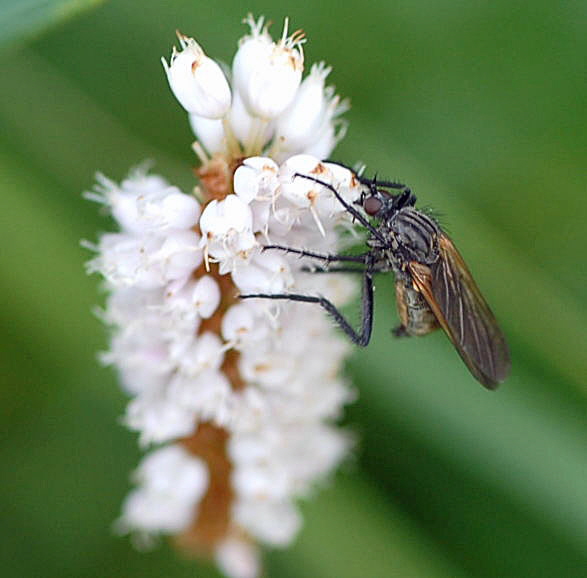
[{"x": 400, "y": 331}]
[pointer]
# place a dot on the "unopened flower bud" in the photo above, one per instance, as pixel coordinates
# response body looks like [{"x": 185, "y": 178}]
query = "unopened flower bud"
[
  {"x": 197, "y": 81},
  {"x": 296, "y": 127},
  {"x": 268, "y": 74}
]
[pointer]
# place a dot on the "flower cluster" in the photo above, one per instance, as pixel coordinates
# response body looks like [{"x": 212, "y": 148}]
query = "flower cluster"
[{"x": 241, "y": 397}]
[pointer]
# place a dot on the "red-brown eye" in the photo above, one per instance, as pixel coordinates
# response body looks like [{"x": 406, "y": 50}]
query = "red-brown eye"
[{"x": 372, "y": 205}]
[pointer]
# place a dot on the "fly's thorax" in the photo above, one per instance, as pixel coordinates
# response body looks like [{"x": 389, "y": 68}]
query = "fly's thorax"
[
  {"x": 385, "y": 249},
  {"x": 413, "y": 236}
]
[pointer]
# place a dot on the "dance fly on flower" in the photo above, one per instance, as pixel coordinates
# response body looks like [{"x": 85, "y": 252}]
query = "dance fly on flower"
[{"x": 434, "y": 287}]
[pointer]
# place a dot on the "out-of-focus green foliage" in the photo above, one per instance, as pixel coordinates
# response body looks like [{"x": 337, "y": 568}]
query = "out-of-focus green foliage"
[
  {"x": 480, "y": 107},
  {"x": 22, "y": 19}
]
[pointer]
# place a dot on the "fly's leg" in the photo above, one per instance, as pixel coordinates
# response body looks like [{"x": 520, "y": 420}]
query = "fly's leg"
[
  {"x": 325, "y": 258},
  {"x": 360, "y": 337}
]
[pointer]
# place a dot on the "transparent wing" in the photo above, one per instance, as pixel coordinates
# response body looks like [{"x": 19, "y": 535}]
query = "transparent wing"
[{"x": 463, "y": 313}]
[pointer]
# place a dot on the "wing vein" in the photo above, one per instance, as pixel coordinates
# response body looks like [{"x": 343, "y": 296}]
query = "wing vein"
[{"x": 451, "y": 292}]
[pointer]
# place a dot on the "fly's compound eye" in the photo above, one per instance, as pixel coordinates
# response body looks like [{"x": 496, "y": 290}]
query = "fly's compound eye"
[{"x": 372, "y": 206}]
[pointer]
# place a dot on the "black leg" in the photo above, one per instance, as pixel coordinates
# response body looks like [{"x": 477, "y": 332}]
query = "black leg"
[
  {"x": 349, "y": 208},
  {"x": 367, "y": 181},
  {"x": 361, "y": 337},
  {"x": 384, "y": 184},
  {"x": 327, "y": 258},
  {"x": 405, "y": 197},
  {"x": 334, "y": 270},
  {"x": 374, "y": 271},
  {"x": 374, "y": 182},
  {"x": 330, "y": 161},
  {"x": 400, "y": 331}
]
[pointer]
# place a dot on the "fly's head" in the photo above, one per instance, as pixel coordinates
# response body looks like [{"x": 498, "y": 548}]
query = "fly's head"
[{"x": 381, "y": 204}]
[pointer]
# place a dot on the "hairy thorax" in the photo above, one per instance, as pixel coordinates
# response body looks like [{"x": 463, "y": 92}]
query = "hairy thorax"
[{"x": 408, "y": 235}]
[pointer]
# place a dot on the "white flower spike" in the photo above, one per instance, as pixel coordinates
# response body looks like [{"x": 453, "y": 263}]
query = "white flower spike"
[{"x": 241, "y": 396}]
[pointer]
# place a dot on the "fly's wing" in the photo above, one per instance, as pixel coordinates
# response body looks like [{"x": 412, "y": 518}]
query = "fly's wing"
[{"x": 462, "y": 312}]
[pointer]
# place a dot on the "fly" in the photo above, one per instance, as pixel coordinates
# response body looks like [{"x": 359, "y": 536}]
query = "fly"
[{"x": 434, "y": 287}]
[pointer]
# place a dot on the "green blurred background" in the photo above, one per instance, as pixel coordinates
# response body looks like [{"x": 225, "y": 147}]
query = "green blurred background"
[{"x": 480, "y": 107}]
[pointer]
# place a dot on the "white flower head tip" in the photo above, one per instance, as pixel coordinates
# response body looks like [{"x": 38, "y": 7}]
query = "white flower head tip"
[
  {"x": 267, "y": 74},
  {"x": 197, "y": 81}
]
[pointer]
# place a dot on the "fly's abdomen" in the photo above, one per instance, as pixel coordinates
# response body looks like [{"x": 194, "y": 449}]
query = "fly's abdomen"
[{"x": 415, "y": 314}]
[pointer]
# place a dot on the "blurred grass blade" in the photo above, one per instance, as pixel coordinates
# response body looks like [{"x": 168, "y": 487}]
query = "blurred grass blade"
[
  {"x": 49, "y": 298},
  {"x": 353, "y": 530},
  {"x": 61, "y": 146},
  {"x": 22, "y": 19},
  {"x": 531, "y": 448}
]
